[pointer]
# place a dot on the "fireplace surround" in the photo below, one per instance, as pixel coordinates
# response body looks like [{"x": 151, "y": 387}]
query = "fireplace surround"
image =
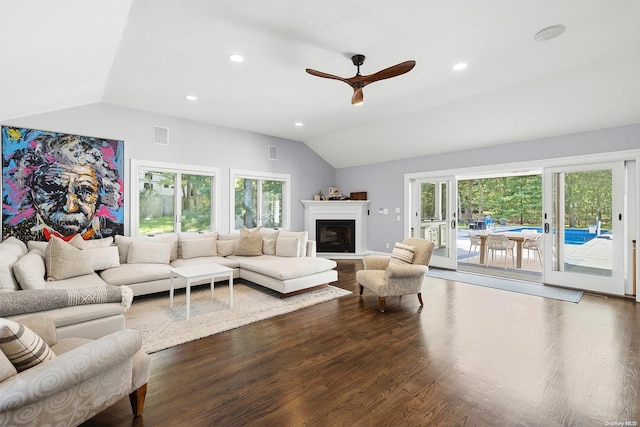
[{"x": 339, "y": 227}]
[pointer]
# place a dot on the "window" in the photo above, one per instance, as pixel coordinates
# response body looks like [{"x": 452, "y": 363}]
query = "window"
[
  {"x": 259, "y": 199},
  {"x": 170, "y": 198}
]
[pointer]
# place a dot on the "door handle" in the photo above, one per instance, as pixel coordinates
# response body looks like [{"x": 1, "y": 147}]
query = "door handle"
[
  {"x": 453, "y": 223},
  {"x": 546, "y": 227}
]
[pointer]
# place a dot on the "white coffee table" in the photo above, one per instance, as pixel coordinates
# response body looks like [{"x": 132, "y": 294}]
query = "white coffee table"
[{"x": 198, "y": 272}]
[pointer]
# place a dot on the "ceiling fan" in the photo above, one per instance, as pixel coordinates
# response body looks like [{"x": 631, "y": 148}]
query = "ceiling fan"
[{"x": 359, "y": 81}]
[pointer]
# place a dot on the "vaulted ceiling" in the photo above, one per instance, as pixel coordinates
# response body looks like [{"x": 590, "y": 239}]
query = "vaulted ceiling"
[{"x": 148, "y": 55}]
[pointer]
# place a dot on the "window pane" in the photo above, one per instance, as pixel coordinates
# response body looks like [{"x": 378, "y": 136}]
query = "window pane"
[
  {"x": 196, "y": 203},
  {"x": 246, "y": 203},
  {"x": 272, "y": 204},
  {"x": 156, "y": 193}
]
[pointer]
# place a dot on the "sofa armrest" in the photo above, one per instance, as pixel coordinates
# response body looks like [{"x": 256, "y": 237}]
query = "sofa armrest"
[
  {"x": 376, "y": 262},
  {"x": 406, "y": 270},
  {"x": 69, "y": 369}
]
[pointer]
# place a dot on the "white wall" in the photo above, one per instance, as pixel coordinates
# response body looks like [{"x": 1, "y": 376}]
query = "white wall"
[
  {"x": 193, "y": 143},
  {"x": 384, "y": 182}
]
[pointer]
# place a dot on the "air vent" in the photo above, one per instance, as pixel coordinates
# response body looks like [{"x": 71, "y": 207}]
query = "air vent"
[
  {"x": 160, "y": 135},
  {"x": 273, "y": 152}
]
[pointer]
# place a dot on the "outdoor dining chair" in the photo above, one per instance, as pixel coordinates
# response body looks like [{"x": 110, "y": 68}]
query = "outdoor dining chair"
[{"x": 497, "y": 242}]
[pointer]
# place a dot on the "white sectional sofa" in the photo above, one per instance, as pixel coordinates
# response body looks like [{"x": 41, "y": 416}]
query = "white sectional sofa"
[{"x": 284, "y": 261}]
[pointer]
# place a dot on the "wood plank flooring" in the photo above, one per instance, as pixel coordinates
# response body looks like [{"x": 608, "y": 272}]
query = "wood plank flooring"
[{"x": 472, "y": 356}]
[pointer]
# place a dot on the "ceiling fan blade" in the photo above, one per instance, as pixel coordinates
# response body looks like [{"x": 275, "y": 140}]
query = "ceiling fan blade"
[
  {"x": 358, "y": 96},
  {"x": 387, "y": 73},
  {"x": 325, "y": 75}
]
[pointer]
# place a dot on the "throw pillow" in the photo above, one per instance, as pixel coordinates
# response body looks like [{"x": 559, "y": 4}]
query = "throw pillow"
[
  {"x": 63, "y": 260},
  {"x": 288, "y": 247},
  {"x": 123, "y": 242},
  {"x": 37, "y": 244},
  {"x": 23, "y": 347},
  {"x": 250, "y": 242},
  {"x": 7, "y": 370},
  {"x": 194, "y": 248},
  {"x": 30, "y": 270},
  {"x": 269, "y": 246},
  {"x": 11, "y": 249},
  {"x": 104, "y": 257},
  {"x": 402, "y": 254},
  {"x": 302, "y": 235},
  {"x": 99, "y": 243},
  {"x": 146, "y": 252},
  {"x": 226, "y": 247},
  {"x": 183, "y": 237}
]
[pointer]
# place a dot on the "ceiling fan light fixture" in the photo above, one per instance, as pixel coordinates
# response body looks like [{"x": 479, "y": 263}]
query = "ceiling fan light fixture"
[{"x": 549, "y": 33}]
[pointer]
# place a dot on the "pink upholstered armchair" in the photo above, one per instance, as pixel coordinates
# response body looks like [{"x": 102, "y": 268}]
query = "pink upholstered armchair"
[{"x": 391, "y": 279}]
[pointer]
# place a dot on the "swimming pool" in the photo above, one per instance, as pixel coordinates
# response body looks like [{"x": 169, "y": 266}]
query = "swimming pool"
[{"x": 572, "y": 236}]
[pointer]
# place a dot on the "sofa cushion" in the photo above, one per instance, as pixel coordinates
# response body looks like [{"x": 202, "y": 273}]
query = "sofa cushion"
[
  {"x": 302, "y": 235},
  {"x": 288, "y": 247},
  {"x": 226, "y": 247},
  {"x": 99, "y": 243},
  {"x": 194, "y": 248},
  {"x": 11, "y": 249},
  {"x": 63, "y": 260},
  {"x": 185, "y": 236},
  {"x": 143, "y": 252},
  {"x": 205, "y": 260},
  {"x": 285, "y": 268},
  {"x": 128, "y": 274},
  {"x": 30, "y": 270},
  {"x": 7, "y": 369},
  {"x": 268, "y": 246},
  {"x": 103, "y": 257},
  {"x": 23, "y": 347},
  {"x": 123, "y": 243}
]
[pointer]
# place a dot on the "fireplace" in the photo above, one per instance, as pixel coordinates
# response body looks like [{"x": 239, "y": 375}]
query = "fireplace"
[
  {"x": 338, "y": 227},
  {"x": 335, "y": 235}
]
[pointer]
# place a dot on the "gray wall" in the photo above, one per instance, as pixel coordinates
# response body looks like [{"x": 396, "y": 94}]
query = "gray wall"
[
  {"x": 193, "y": 143},
  {"x": 384, "y": 182}
]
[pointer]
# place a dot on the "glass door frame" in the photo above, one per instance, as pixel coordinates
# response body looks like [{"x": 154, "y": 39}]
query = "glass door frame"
[
  {"x": 554, "y": 251},
  {"x": 448, "y": 232}
]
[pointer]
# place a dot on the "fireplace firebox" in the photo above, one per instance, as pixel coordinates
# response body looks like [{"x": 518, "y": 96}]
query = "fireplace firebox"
[{"x": 336, "y": 235}]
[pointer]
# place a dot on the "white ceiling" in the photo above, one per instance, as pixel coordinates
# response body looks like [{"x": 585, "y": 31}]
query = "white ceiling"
[{"x": 149, "y": 54}]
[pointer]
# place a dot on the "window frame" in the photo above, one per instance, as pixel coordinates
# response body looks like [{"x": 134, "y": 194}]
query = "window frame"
[
  {"x": 260, "y": 176},
  {"x": 179, "y": 170}
]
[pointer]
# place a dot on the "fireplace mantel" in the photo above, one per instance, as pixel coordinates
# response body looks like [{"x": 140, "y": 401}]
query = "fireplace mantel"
[{"x": 357, "y": 210}]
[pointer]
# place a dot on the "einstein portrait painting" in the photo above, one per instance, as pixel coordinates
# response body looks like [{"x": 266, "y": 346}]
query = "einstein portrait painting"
[{"x": 60, "y": 184}]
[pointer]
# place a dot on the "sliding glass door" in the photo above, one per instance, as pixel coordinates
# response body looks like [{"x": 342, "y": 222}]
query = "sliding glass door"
[
  {"x": 434, "y": 218},
  {"x": 583, "y": 227}
]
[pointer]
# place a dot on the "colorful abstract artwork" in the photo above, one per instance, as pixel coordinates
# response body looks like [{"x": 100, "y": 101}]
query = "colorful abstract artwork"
[{"x": 61, "y": 184}]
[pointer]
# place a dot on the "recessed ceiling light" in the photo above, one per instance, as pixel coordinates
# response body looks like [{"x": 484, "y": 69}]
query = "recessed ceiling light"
[
  {"x": 191, "y": 97},
  {"x": 235, "y": 57},
  {"x": 299, "y": 124},
  {"x": 549, "y": 33},
  {"x": 460, "y": 66}
]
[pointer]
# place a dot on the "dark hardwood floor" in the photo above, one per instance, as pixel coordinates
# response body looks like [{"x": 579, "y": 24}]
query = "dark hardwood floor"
[{"x": 472, "y": 356}]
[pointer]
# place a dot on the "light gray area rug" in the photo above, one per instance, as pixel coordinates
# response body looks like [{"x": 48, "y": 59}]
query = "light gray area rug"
[
  {"x": 163, "y": 327},
  {"x": 529, "y": 288}
]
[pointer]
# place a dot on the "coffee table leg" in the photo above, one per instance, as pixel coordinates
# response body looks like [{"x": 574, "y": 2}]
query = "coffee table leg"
[
  {"x": 171, "y": 292},
  {"x": 231, "y": 290},
  {"x": 188, "y": 298},
  {"x": 212, "y": 287}
]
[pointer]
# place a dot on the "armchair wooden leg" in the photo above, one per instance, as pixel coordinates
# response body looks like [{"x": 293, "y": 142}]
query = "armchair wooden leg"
[
  {"x": 420, "y": 298},
  {"x": 361, "y": 288},
  {"x": 137, "y": 400},
  {"x": 381, "y": 302}
]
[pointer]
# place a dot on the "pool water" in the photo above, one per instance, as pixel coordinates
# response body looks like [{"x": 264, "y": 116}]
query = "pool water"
[{"x": 572, "y": 236}]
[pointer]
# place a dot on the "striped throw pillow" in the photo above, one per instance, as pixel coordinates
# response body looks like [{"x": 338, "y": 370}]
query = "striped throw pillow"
[
  {"x": 23, "y": 347},
  {"x": 402, "y": 254}
]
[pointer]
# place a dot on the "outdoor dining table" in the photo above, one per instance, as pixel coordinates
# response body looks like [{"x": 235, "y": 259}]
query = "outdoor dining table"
[{"x": 515, "y": 236}]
